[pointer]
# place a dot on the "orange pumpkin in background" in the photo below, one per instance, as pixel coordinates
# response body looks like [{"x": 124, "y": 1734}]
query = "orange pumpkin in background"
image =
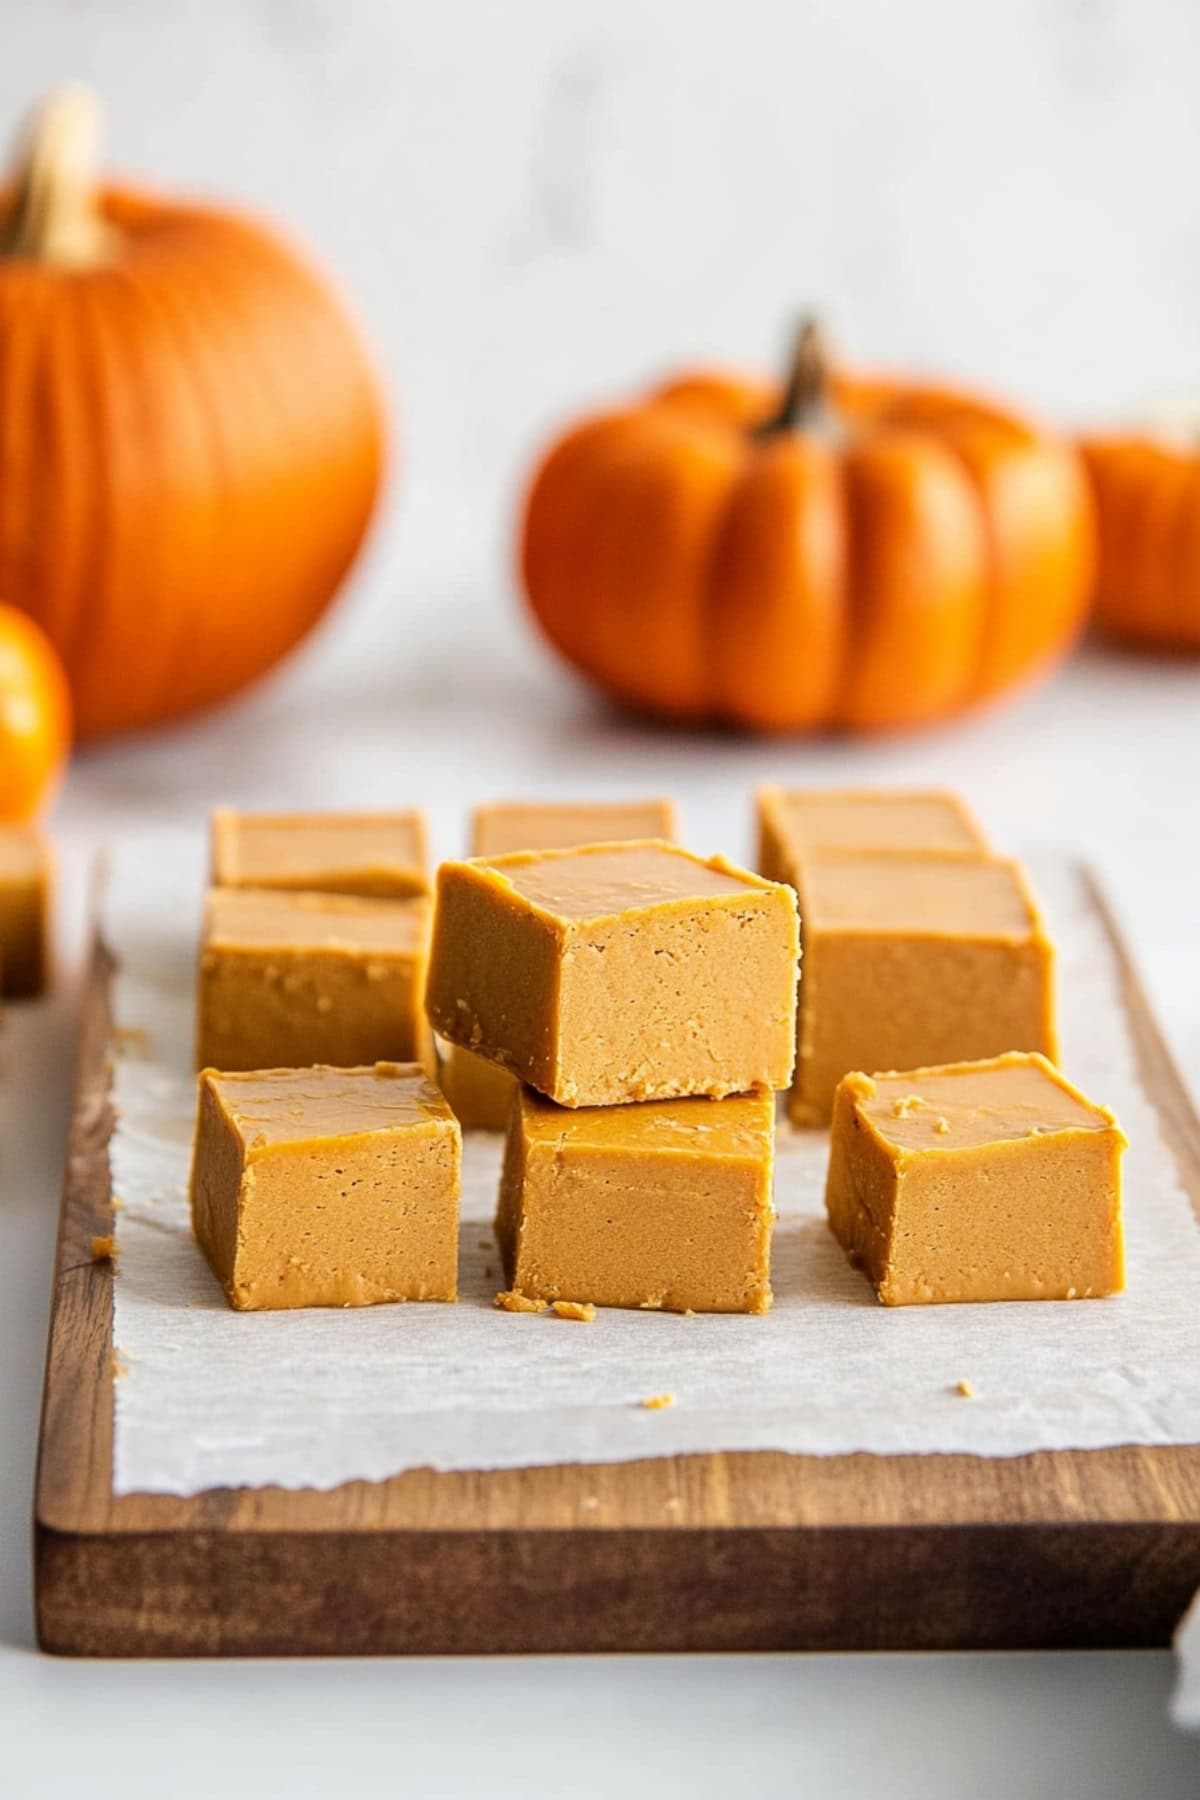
[
  {"x": 35, "y": 717},
  {"x": 848, "y": 553},
  {"x": 191, "y": 435},
  {"x": 1147, "y": 492}
]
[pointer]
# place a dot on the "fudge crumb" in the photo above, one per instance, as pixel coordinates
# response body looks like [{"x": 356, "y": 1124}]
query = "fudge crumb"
[
  {"x": 908, "y": 1104},
  {"x": 511, "y": 1301},
  {"x": 132, "y": 1040},
  {"x": 656, "y": 1402},
  {"x": 574, "y": 1309},
  {"x": 104, "y": 1249},
  {"x": 941, "y": 1125},
  {"x": 118, "y": 1365},
  {"x": 965, "y": 1389}
]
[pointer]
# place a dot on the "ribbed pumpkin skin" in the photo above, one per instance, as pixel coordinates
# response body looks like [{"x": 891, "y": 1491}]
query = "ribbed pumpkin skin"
[
  {"x": 923, "y": 554},
  {"x": 191, "y": 444},
  {"x": 1148, "y": 507}
]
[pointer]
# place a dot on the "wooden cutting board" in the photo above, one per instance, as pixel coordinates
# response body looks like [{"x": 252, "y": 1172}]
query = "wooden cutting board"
[{"x": 743, "y": 1551}]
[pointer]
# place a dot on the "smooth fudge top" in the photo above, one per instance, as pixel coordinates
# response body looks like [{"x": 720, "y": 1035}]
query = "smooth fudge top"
[
  {"x": 730, "y": 1130},
  {"x": 925, "y": 893},
  {"x": 603, "y": 881},
  {"x": 286, "y": 1107},
  {"x": 22, "y": 852},
  {"x": 871, "y": 819},
  {"x": 359, "y": 850},
  {"x": 265, "y": 919},
  {"x": 963, "y": 1106},
  {"x": 563, "y": 825}
]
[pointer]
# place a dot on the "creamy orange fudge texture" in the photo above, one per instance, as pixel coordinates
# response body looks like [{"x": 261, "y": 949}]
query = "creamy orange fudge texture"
[
  {"x": 287, "y": 980},
  {"x": 665, "y": 1206},
  {"x": 379, "y": 854},
  {"x": 24, "y": 911},
  {"x": 617, "y": 972},
  {"x": 327, "y": 1187},
  {"x": 913, "y": 959},
  {"x": 992, "y": 1180},
  {"x": 794, "y": 822},
  {"x": 505, "y": 826},
  {"x": 481, "y": 1092}
]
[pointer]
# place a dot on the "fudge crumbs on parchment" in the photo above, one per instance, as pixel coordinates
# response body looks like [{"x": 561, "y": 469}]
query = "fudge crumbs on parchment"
[
  {"x": 574, "y": 1309},
  {"x": 510, "y": 1301}
]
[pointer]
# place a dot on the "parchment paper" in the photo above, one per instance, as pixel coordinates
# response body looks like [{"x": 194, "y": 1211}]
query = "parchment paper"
[{"x": 208, "y": 1397}]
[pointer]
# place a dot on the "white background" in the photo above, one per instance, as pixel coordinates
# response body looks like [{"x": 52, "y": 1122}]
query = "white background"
[{"x": 535, "y": 205}]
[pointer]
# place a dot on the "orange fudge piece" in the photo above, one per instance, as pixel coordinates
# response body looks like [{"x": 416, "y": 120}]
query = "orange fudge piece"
[
  {"x": 990, "y": 1180},
  {"x": 566, "y": 824},
  {"x": 288, "y": 980},
  {"x": 24, "y": 911},
  {"x": 794, "y": 822},
  {"x": 379, "y": 854},
  {"x": 664, "y": 1206},
  {"x": 481, "y": 1092},
  {"x": 327, "y": 1187},
  {"x": 617, "y": 972},
  {"x": 915, "y": 959}
]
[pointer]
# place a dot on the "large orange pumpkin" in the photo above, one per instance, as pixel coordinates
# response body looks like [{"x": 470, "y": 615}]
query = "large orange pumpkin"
[
  {"x": 35, "y": 716},
  {"x": 190, "y": 435},
  {"x": 1148, "y": 505},
  {"x": 852, "y": 553}
]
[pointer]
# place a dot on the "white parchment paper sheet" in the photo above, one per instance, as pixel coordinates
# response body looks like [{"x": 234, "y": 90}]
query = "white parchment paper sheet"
[{"x": 213, "y": 1398}]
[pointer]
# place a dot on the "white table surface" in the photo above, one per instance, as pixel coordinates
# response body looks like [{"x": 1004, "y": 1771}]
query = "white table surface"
[{"x": 456, "y": 706}]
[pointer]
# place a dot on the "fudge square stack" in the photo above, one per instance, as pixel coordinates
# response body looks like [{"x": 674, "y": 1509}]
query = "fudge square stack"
[
  {"x": 326, "y": 1165},
  {"x": 482, "y": 1092},
  {"x": 645, "y": 1000}
]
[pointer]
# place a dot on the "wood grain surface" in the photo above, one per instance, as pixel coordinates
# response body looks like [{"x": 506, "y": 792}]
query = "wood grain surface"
[{"x": 757, "y": 1551}]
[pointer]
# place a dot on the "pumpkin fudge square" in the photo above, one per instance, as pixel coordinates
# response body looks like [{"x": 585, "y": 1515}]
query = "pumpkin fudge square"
[{"x": 618, "y": 972}]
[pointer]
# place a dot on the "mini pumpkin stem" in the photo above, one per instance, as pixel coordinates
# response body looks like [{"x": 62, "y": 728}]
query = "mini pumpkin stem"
[
  {"x": 803, "y": 401},
  {"x": 54, "y": 217}
]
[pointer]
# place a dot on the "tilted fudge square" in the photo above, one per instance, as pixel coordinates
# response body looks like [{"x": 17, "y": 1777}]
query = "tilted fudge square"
[
  {"x": 24, "y": 911},
  {"x": 481, "y": 1092},
  {"x": 989, "y": 1180},
  {"x": 794, "y": 822},
  {"x": 564, "y": 825},
  {"x": 379, "y": 854},
  {"x": 666, "y": 1205},
  {"x": 287, "y": 980},
  {"x": 327, "y": 1187},
  {"x": 912, "y": 959},
  {"x": 617, "y": 972}
]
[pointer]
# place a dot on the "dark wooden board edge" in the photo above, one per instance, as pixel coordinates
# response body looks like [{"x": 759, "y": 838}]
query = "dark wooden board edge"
[{"x": 758, "y": 1551}]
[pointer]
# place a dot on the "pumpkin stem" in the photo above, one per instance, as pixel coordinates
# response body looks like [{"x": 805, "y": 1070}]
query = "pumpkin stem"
[
  {"x": 804, "y": 394},
  {"x": 54, "y": 217}
]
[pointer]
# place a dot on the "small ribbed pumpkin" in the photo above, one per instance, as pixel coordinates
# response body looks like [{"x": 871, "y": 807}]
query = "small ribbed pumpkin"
[
  {"x": 190, "y": 434},
  {"x": 1147, "y": 492},
  {"x": 846, "y": 553}
]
